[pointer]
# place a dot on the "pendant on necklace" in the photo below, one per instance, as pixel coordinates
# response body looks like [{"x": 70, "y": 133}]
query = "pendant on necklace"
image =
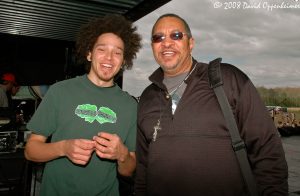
[{"x": 156, "y": 129}]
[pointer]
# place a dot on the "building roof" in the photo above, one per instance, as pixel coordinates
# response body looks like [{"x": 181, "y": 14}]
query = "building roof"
[
  {"x": 61, "y": 19},
  {"x": 37, "y": 36}
]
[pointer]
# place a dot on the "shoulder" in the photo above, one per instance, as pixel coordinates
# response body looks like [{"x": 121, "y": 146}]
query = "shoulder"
[
  {"x": 232, "y": 71},
  {"x": 233, "y": 77},
  {"x": 235, "y": 82},
  {"x": 67, "y": 84},
  {"x": 63, "y": 87},
  {"x": 230, "y": 74},
  {"x": 127, "y": 98},
  {"x": 150, "y": 91}
]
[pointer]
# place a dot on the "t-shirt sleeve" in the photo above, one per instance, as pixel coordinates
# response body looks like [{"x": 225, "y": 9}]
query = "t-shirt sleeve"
[
  {"x": 131, "y": 137},
  {"x": 43, "y": 121}
]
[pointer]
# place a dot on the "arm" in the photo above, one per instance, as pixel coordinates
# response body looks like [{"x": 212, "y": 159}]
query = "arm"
[
  {"x": 127, "y": 165},
  {"x": 77, "y": 150},
  {"x": 110, "y": 146},
  {"x": 263, "y": 143}
]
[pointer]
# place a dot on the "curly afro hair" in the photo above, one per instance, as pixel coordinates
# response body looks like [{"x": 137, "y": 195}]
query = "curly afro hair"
[{"x": 116, "y": 24}]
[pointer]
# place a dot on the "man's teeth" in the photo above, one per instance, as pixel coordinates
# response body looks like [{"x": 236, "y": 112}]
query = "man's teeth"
[
  {"x": 168, "y": 53},
  {"x": 107, "y": 65}
]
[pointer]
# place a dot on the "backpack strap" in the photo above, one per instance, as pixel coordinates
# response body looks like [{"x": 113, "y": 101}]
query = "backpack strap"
[{"x": 238, "y": 145}]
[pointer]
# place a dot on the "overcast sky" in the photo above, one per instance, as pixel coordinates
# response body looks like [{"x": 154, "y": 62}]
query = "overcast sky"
[{"x": 262, "y": 42}]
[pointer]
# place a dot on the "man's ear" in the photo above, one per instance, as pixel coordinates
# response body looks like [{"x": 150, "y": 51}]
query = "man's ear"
[
  {"x": 192, "y": 42},
  {"x": 89, "y": 56}
]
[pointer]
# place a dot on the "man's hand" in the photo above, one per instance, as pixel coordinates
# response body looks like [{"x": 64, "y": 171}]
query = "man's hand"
[
  {"x": 110, "y": 146},
  {"x": 79, "y": 151}
]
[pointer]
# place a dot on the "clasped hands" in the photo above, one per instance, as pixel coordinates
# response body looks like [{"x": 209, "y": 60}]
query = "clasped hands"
[{"x": 106, "y": 146}]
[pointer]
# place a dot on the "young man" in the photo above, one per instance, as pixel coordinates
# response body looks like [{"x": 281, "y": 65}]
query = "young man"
[
  {"x": 91, "y": 121},
  {"x": 183, "y": 144}
]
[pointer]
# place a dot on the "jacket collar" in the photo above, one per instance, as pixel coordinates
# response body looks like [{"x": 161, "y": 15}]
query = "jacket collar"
[{"x": 157, "y": 76}]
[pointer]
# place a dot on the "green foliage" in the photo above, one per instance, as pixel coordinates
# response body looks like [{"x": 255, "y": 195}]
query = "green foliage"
[{"x": 286, "y": 97}]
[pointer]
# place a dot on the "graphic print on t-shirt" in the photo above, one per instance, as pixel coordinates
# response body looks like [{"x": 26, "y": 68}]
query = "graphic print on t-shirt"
[{"x": 90, "y": 113}]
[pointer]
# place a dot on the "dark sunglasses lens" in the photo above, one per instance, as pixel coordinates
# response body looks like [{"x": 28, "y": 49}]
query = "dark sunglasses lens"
[
  {"x": 176, "y": 36},
  {"x": 157, "y": 38}
]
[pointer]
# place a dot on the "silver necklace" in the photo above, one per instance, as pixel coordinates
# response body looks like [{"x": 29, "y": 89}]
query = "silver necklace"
[
  {"x": 157, "y": 127},
  {"x": 186, "y": 77}
]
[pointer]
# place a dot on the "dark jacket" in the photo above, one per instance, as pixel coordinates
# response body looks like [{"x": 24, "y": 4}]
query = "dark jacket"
[{"x": 192, "y": 154}]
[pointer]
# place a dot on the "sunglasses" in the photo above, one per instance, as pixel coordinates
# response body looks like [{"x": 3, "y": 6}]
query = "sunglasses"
[{"x": 159, "y": 37}]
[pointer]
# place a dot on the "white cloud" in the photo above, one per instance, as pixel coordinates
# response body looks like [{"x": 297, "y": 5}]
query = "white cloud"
[{"x": 264, "y": 44}]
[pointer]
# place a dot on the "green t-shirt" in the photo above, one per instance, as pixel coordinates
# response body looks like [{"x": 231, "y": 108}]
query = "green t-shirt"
[{"x": 76, "y": 108}]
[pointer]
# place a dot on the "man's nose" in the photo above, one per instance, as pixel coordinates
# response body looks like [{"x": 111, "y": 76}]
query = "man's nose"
[
  {"x": 167, "y": 41},
  {"x": 108, "y": 54}
]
